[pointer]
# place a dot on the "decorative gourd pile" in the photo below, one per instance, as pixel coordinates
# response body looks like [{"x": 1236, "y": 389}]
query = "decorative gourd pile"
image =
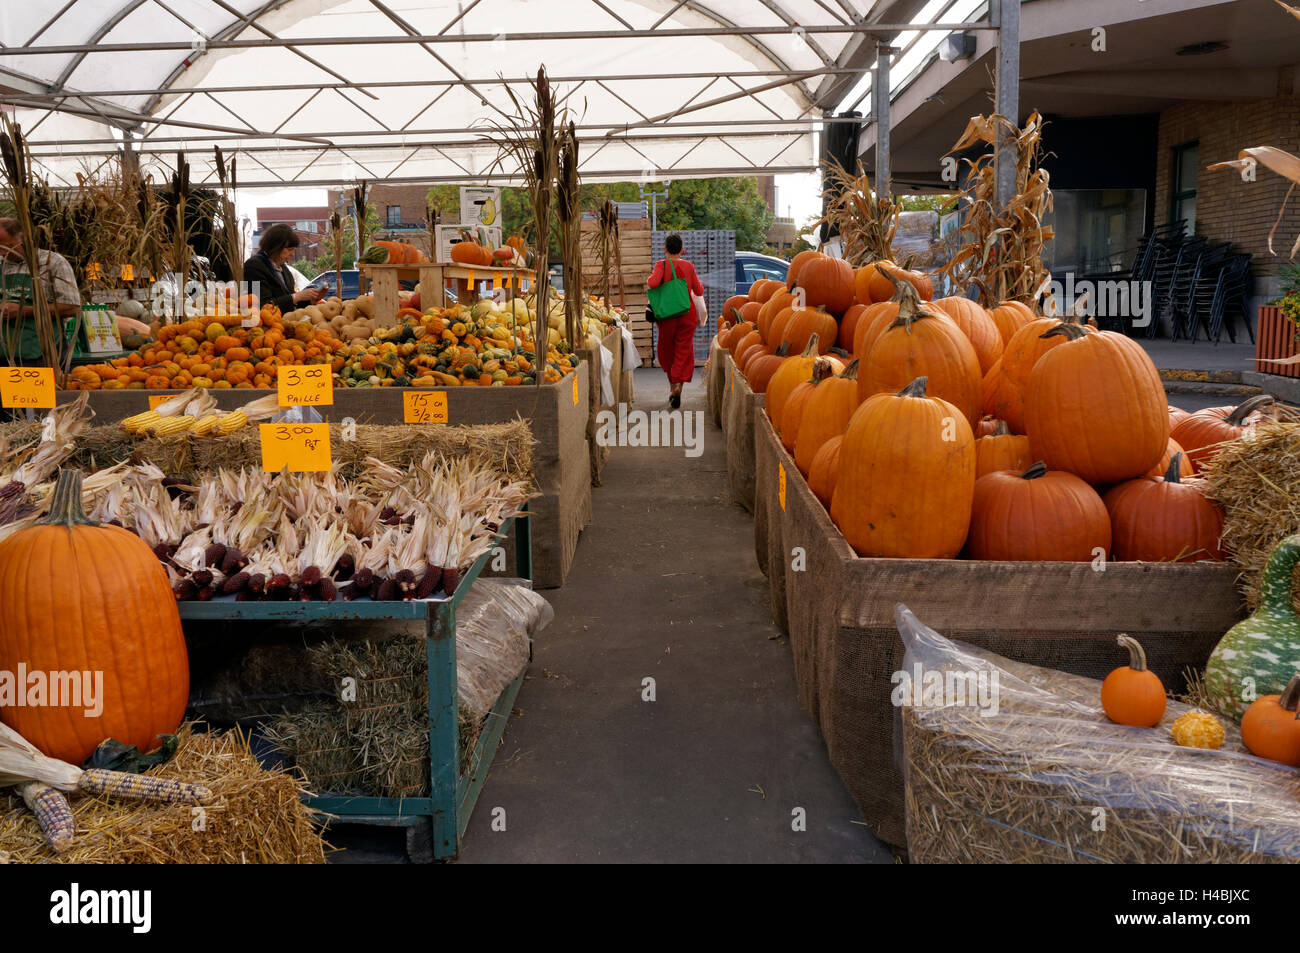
[{"x": 999, "y": 435}]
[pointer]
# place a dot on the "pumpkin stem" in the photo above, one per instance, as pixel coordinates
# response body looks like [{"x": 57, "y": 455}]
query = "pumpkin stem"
[
  {"x": 1137, "y": 656},
  {"x": 1290, "y": 697},
  {"x": 821, "y": 370},
  {"x": 897, "y": 283},
  {"x": 65, "y": 508},
  {"x": 910, "y": 308},
  {"x": 850, "y": 372},
  {"x": 783, "y": 350},
  {"x": 1035, "y": 471},
  {"x": 1070, "y": 331},
  {"x": 810, "y": 349},
  {"x": 1172, "y": 475},
  {"x": 1247, "y": 407},
  {"x": 916, "y": 388}
]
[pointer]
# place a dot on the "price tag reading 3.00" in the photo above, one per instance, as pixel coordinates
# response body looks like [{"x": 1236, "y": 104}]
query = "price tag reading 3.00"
[
  {"x": 425, "y": 407},
  {"x": 303, "y": 448},
  {"x": 306, "y": 386},
  {"x": 27, "y": 386}
]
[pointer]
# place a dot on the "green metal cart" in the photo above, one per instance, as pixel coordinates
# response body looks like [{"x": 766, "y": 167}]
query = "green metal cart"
[{"x": 435, "y": 824}]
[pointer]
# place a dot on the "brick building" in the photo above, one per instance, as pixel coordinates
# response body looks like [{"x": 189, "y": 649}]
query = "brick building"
[
  {"x": 401, "y": 210},
  {"x": 1138, "y": 99},
  {"x": 311, "y": 222}
]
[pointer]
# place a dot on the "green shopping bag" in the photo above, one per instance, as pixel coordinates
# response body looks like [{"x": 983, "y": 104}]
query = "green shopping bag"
[{"x": 671, "y": 298}]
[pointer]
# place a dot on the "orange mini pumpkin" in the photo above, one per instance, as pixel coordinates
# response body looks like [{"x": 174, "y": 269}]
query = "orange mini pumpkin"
[
  {"x": 1270, "y": 729},
  {"x": 1133, "y": 694}
]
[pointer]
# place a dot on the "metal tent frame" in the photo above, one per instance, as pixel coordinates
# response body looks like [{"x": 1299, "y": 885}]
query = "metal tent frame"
[{"x": 781, "y": 68}]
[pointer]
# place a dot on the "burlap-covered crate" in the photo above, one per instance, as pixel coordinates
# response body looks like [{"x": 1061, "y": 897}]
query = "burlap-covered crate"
[
  {"x": 715, "y": 381},
  {"x": 557, "y": 414},
  {"x": 739, "y": 406},
  {"x": 1060, "y": 615}
]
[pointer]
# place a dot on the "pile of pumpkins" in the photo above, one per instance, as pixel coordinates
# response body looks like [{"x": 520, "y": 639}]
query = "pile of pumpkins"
[{"x": 938, "y": 429}]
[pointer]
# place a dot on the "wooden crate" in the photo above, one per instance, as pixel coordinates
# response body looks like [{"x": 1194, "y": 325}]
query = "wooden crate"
[
  {"x": 840, "y": 611},
  {"x": 1275, "y": 337},
  {"x": 636, "y": 262}
]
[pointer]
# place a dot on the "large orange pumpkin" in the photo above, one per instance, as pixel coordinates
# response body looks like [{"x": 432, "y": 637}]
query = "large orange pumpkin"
[
  {"x": 792, "y": 416},
  {"x": 1202, "y": 433},
  {"x": 1164, "y": 520},
  {"x": 76, "y": 596},
  {"x": 924, "y": 344},
  {"x": 803, "y": 323},
  {"x": 791, "y": 372},
  {"x": 825, "y": 470},
  {"x": 827, "y": 282},
  {"x": 977, "y": 325},
  {"x": 1001, "y": 450},
  {"x": 829, "y": 410},
  {"x": 905, "y": 489},
  {"x": 1096, "y": 406},
  {"x": 1010, "y": 317},
  {"x": 849, "y": 324},
  {"x": 797, "y": 263},
  {"x": 1040, "y": 515},
  {"x": 1019, "y": 356},
  {"x": 759, "y": 370}
]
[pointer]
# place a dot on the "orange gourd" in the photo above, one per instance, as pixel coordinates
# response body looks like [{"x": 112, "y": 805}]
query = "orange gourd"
[
  {"x": 1010, "y": 317},
  {"x": 1039, "y": 515},
  {"x": 849, "y": 324},
  {"x": 797, "y": 403},
  {"x": 792, "y": 371},
  {"x": 1202, "y": 433},
  {"x": 1164, "y": 519},
  {"x": 829, "y": 410},
  {"x": 904, "y": 489},
  {"x": 731, "y": 339},
  {"x": 805, "y": 323},
  {"x": 1133, "y": 694},
  {"x": 749, "y": 312},
  {"x": 78, "y": 596},
  {"x": 764, "y": 288},
  {"x": 759, "y": 371},
  {"x": 828, "y": 283},
  {"x": 797, "y": 263}
]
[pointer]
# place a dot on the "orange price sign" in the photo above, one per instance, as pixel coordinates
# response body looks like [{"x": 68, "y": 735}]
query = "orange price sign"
[
  {"x": 128, "y": 272},
  {"x": 780, "y": 483},
  {"x": 496, "y": 281},
  {"x": 305, "y": 385},
  {"x": 156, "y": 399},
  {"x": 424, "y": 407},
  {"x": 303, "y": 448},
  {"x": 94, "y": 272},
  {"x": 575, "y": 388},
  {"x": 470, "y": 279},
  {"x": 27, "y": 386}
]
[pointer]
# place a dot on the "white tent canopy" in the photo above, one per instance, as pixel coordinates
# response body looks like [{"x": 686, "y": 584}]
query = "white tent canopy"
[{"x": 323, "y": 92}]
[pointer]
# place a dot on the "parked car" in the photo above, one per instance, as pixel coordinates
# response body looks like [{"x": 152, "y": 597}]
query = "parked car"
[
  {"x": 351, "y": 283},
  {"x": 752, "y": 266}
]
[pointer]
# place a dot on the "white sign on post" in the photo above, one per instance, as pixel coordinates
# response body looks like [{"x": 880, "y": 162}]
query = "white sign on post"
[
  {"x": 480, "y": 206},
  {"x": 101, "y": 329}
]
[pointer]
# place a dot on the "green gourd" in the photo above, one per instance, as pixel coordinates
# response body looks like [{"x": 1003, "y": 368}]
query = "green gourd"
[{"x": 1264, "y": 647}]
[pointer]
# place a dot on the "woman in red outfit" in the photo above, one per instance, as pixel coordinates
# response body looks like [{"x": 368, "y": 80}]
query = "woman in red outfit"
[{"x": 677, "y": 332}]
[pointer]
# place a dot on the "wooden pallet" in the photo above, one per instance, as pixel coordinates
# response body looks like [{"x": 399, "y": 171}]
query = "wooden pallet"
[{"x": 636, "y": 260}]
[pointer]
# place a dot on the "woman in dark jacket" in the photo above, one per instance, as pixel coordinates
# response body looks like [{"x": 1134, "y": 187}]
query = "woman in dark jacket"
[{"x": 268, "y": 275}]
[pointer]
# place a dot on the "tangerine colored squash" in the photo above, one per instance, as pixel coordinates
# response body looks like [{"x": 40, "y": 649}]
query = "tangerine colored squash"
[
  {"x": 1039, "y": 515},
  {"x": 804, "y": 323},
  {"x": 829, "y": 410},
  {"x": 1010, "y": 317},
  {"x": 797, "y": 403},
  {"x": 78, "y": 596},
  {"x": 1164, "y": 519},
  {"x": 1133, "y": 694},
  {"x": 1270, "y": 729},
  {"x": 1202, "y": 433},
  {"x": 828, "y": 283},
  {"x": 976, "y": 325},
  {"x": 1001, "y": 450},
  {"x": 792, "y": 371},
  {"x": 797, "y": 263},
  {"x": 825, "y": 470}
]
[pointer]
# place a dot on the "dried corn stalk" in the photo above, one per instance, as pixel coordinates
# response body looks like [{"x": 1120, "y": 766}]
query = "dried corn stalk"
[
  {"x": 568, "y": 204},
  {"x": 229, "y": 237},
  {"x": 1283, "y": 163},
  {"x": 1001, "y": 249},
  {"x": 865, "y": 221}
]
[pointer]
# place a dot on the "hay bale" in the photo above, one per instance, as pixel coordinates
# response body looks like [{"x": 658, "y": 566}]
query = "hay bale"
[
  {"x": 507, "y": 447},
  {"x": 257, "y": 816},
  {"x": 1050, "y": 779},
  {"x": 1257, "y": 482}
]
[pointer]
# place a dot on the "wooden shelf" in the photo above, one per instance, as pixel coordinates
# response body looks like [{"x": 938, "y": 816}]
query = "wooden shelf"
[{"x": 433, "y": 278}]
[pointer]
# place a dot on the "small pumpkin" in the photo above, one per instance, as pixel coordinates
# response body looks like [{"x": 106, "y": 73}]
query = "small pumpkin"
[
  {"x": 805, "y": 323},
  {"x": 1038, "y": 515},
  {"x": 759, "y": 371},
  {"x": 764, "y": 288},
  {"x": 1133, "y": 694},
  {"x": 904, "y": 490},
  {"x": 784, "y": 380},
  {"x": 78, "y": 596},
  {"x": 825, "y": 470},
  {"x": 849, "y": 324},
  {"x": 1164, "y": 519},
  {"x": 1203, "y": 432},
  {"x": 1270, "y": 728},
  {"x": 1264, "y": 647}
]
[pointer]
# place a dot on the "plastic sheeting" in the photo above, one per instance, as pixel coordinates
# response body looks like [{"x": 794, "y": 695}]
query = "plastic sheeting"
[{"x": 318, "y": 113}]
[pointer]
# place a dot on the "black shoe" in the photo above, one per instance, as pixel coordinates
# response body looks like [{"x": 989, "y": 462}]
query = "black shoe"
[{"x": 674, "y": 401}]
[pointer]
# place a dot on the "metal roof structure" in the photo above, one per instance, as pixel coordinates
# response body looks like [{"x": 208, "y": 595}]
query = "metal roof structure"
[{"x": 325, "y": 92}]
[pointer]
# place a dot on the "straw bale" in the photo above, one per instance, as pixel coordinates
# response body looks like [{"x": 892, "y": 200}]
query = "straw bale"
[
  {"x": 257, "y": 816},
  {"x": 1048, "y": 778}
]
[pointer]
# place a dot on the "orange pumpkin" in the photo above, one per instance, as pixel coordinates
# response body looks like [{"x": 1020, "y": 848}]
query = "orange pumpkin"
[
  {"x": 1161, "y": 468},
  {"x": 862, "y": 284},
  {"x": 1270, "y": 728},
  {"x": 1164, "y": 519},
  {"x": 805, "y": 323},
  {"x": 792, "y": 371},
  {"x": 1010, "y": 317},
  {"x": 1039, "y": 515},
  {"x": 976, "y": 325},
  {"x": 78, "y": 596},
  {"x": 904, "y": 489},
  {"x": 1001, "y": 450},
  {"x": 764, "y": 288},
  {"x": 849, "y": 324},
  {"x": 743, "y": 349},
  {"x": 828, "y": 283},
  {"x": 1133, "y": 694},
  {"x": 759, "y": 371},
  {"x": 797, "y": 263},
  {"x": 830, "y": 407},
  {"x": 1019, "y": 356},
  {"x": 797, "y": 403},
  {"x": 825, "y": 470},
  {"x": 1203, "y": 432}
]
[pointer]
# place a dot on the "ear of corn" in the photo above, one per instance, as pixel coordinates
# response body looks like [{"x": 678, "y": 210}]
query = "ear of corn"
[
  {"x": 141, "y": 787},
  {"x": 173, "y": 425},
  {"x": 141, "y": 421},
  {"x": 232, "y": 421},
  {"x": 53, "y": 813},
  {"x": 206, "y": 424}
]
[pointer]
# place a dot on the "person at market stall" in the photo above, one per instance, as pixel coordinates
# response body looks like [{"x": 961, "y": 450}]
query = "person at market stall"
[
  {"x": 269, "y": 268},
  {"x": 62, "y": 295},
  {"x": 677, "y": 331}
]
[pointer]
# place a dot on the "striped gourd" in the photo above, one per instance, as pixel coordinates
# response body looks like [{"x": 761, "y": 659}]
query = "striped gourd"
[{"x": 1264, "y": 647}]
